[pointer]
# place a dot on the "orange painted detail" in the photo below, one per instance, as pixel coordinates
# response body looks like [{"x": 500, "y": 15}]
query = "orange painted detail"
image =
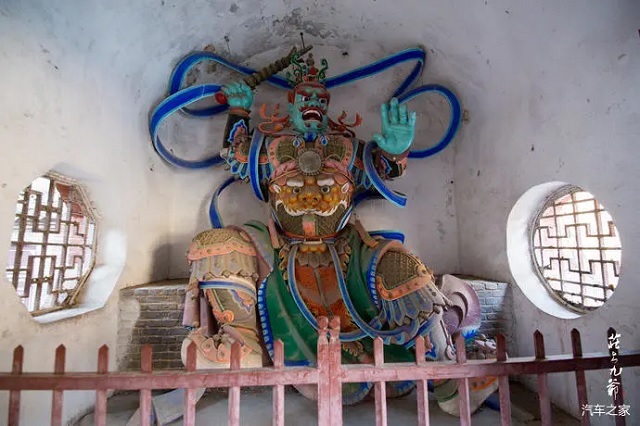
[
  {"x": 224, "y": 316},
  {"x": 241, "y": 156},
  {"x": 309, "y": 225},
  {"x": 402, "y": 290},
  {"x": 197, "y": 252},
  {"x": 220, "y": 353},
  {"x": 328, "y": 303},
  {"x": 247, "y": 298},
  {"x": 312, "y": 248},
  {"x": 479, "y": 383}
]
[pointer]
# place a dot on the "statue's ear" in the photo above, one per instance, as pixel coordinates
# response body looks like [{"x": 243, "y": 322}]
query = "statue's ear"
[{"x": 290, "y": 96}]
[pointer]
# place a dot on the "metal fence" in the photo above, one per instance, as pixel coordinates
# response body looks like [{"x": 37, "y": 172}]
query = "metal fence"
[{"x": 328, "y": 375}]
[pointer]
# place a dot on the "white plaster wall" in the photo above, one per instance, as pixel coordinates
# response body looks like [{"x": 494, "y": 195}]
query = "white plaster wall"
[
  {"x": 78, "y": 80},
  {"x": 559, "y": 101},
  {"x": 75, "y": 100}
]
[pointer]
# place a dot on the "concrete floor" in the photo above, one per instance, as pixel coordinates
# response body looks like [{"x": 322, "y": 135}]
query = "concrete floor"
[{"x": 255, "y": 409}]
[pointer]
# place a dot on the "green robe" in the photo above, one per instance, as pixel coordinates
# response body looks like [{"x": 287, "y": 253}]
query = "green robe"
[{"x": 281, "y": 318}]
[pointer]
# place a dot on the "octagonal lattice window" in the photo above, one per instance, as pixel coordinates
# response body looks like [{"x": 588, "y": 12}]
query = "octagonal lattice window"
[
  {"x": 53, "y": 244},
  {"x": 576, "y": 249}
]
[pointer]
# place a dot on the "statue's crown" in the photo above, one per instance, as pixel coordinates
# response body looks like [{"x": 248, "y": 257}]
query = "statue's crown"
[{"x": 304, "y": 71}]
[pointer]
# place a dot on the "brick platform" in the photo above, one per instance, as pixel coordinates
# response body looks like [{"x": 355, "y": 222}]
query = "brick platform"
[
  {"x": 495, "y": 303},
  {"x": 152, "y": 314}
]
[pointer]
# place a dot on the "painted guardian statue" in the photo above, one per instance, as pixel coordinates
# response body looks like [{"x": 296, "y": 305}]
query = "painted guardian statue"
[{"x": 256, "y": 283}]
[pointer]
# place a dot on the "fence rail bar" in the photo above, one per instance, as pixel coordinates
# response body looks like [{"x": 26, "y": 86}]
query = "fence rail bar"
[
  {"x": 463, "y": 383},
  {"x": 101, "y": 394},
  {"x": 380, "y": 387},
  {"x": 278, "y": 390},
  {"x": 335, "y": 363},
  {"x": 354, "y": 373},
  {"x": 189, "y": 416},
  {"x": 581, "y": 380},
  {"x": 234, "y": 392},
  {"x": 146, "y": 365},
  {"x": 503, "y": 383},
  {"x": 57, "y": 395},
  {"x": 543, "y": 387},
  {"x": 14, "y": 395},
  {"x": 324, "y": 389},
  {"x": 421, "y": 385}
]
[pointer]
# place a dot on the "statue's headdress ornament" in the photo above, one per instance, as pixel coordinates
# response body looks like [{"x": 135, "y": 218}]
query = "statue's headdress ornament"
[{"x": 305, "y": 71}]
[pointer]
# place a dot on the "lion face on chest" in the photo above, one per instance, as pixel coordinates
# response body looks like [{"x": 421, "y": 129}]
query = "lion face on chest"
[{"x": 311, "y": 206}]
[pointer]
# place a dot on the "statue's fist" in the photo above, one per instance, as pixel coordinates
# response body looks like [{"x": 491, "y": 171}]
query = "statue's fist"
[
  {"x": 239, "y": 95},
  {"x": 398, "y": 128}
]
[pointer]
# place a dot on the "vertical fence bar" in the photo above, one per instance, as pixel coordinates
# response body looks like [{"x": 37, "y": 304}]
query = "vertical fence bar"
[
  {"x": 14, "y": 395},
  {"x": 57, "y": 395},
  {"x": 543, "y": 387},
  {"x": 421, "y": 384},
  {"x": 278, "y": 390},
  {"x": 503, "y": 382},
  {"x": 335, "y": 369},
  {"x": 324, "y": 384},
  {"x": 380, "y": 387},
  {"x": 189, "y": 416},
  {"x": 463, "y": 384},
  {"x": 581, "y": 380},
  {"x": 618, "y": 397},
  {"x": 234, "y": 391},
  {"x": 146, "y": 366},
  {"x": 100, "y": 414}
]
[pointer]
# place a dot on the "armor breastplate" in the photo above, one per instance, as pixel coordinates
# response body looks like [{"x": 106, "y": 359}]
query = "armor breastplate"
[{"x": 311, "y": 185}]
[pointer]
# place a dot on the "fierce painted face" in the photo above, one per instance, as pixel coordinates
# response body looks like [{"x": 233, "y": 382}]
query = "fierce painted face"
[
  {"x": 311, "y": 206},
  {"x": 308, "y": 104}
]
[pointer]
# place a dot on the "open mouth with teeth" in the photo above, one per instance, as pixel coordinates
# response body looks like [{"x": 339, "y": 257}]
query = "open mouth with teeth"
[
  {"x": 295, "y": 211},
  {"x": 312, "y": 114}
]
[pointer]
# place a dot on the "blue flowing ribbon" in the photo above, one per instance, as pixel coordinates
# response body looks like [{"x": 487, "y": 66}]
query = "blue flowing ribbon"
[
  {"x": 179, "y": 99},
  {"x": 214, "y": 214},
  {"x": 394, "y": 197}
]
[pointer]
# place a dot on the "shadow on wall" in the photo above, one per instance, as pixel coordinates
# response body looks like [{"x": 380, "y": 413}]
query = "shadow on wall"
[
  {"x": 160, "y": 265},
  {"x": 151, "y": 315}
]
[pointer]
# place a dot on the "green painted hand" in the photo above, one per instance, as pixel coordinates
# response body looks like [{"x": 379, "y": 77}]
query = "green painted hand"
[
  {"x": 239, "y": 95},
  {"x": 398, "y": 128}
]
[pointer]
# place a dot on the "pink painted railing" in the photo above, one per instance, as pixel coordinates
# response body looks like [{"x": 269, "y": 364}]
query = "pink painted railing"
[{"x": 328, "y": 376}]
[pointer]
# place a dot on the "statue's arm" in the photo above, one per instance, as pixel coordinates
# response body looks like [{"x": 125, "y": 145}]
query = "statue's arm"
[
  {"x": 239, "y": 98},
  {"x": 388, "y": 165},
  {"x": 394, "y": 142},
  {"x": 391, "y": 165}
]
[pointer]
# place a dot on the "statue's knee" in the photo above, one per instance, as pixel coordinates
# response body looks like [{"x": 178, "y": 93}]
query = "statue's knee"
[
  {"x": 223, "y": 254},
  {"x": 224, "y": 268},
  {"x": 407, "y": 285}
]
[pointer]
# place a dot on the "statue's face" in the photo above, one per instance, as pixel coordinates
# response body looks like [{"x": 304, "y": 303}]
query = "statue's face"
[
  {"x": 311, "y": 206},
  {"x": 308, "y": 108}
]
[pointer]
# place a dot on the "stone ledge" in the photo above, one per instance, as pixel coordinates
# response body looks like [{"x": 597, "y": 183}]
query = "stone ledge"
[{"x": 152, "y": 314}]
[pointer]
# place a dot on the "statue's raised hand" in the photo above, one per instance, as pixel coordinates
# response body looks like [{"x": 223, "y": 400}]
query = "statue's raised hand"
[
  {"x": 398, "y": 128},
  {"x": 239, "y": 95}
]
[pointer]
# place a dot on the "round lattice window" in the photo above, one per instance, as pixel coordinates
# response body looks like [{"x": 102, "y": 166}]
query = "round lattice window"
[
  {"x": 576, "y": 249},
  {"x": 53, "y": 244}
]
